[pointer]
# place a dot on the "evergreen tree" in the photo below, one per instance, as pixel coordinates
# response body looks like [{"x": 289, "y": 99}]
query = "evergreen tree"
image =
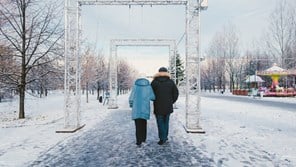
[{"x": 179, "y": 69}]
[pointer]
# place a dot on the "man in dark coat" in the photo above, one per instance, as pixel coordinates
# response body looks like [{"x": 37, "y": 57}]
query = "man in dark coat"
[{"x": 166, "y": 94}]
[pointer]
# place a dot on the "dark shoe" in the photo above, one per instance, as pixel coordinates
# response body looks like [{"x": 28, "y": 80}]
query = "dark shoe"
[
  {"x": 139, "y": 144},
  {"x": 161, "y": 142}
]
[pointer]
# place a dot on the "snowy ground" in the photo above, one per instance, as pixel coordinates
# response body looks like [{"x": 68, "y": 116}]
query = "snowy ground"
[{"x": 237, "y": 134}]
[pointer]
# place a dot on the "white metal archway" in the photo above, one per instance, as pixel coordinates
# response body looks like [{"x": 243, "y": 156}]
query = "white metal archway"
[
  {"x": 72, "y": 57},
  {"x": 115, "y": 43}
]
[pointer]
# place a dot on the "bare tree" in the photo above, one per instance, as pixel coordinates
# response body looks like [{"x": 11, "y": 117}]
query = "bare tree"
[
  {"x": 125, "y": 76},
  {"x": 7, "y": 66},
  {"x": 31, "y": 30},
  {"x": 280, "y": 37},
  {"x": 231, "y": 52},
  {"x": 211, "y": 75},
  {"x": 46, "y": 77},
  {"x": 88, "y": 76},
  {"x": 101, "y": 74},
  {"x": 293, "y": 57},
  {"x": 224, "y": 54},
  {"x": 216, "y": 62}
]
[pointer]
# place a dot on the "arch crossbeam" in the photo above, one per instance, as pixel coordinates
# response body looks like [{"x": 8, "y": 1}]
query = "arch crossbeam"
[
  {"x": 132, "y": 2},
  {"x": 143, "y": 42}
]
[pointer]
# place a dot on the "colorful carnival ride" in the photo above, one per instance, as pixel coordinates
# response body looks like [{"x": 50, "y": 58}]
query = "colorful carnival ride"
[
  {"x": 255, "y": 84},
  {"x": 274, "y": 90}
]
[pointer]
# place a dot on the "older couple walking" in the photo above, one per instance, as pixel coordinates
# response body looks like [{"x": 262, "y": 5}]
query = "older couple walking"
[{"x": 164, "y": 93}]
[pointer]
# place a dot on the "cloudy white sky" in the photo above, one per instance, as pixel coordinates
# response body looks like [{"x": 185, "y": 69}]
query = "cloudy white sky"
[{"x": 102, "y": 23}]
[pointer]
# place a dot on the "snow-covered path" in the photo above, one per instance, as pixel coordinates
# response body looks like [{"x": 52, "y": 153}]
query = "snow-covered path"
[{"x": 112, "y": 143}]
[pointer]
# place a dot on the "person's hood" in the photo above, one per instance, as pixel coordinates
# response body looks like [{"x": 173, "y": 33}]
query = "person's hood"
[
  {"x": 162, "y": 76},
  {"x": 142, "y": 82}
]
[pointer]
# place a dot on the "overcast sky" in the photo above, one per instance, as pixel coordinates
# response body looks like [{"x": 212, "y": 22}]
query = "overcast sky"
[{"x": 102, "y": 23}]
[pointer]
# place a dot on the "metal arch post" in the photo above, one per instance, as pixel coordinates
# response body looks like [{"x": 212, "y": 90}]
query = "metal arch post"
[
  {"x": 113, "y": 88},
  {"x": 72, "y": 68},
  {"x": 172, "y": 60},
  {"x": 193, "y": 68},
  {"x": 78, "y": 66},
  {"x": 173, "y": 65}
]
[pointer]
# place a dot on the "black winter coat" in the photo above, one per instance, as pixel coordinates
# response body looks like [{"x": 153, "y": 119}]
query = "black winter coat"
[{"x": 166, "y": 93}]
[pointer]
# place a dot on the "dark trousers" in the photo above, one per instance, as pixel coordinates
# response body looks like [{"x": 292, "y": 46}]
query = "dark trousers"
[
  {"x": 141, "y": 130},
  {"x": 163, "y": 126}
]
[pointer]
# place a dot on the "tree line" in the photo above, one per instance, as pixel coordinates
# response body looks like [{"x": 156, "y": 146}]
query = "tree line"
[
  {"x": 95, "y": 71},
  {"x": 226, "y": 65}
]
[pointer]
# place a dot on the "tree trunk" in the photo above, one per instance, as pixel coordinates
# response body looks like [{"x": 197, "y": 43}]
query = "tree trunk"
[
  {"x": 22, "y": 102},
  {"x": 41, "y": 91},
  {"x": 98, "y": 90},
  {"x": 86, "y": 92},
  {"x": 98, "y": 93},
  {"x": 22, "y": 85},
  {"x": 22, "y": 89}
]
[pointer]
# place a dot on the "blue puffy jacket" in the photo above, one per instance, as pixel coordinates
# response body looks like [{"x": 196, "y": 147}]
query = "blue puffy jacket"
[{"x": 139, "y": 99}]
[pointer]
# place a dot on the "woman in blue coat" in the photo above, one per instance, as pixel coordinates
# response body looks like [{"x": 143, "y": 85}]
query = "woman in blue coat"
[{"x": 139, "y": 100}]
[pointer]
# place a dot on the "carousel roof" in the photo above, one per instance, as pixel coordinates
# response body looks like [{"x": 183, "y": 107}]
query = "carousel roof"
[
  {"x": 254, "y": 78},
  {"x": 274, "y": 70}
]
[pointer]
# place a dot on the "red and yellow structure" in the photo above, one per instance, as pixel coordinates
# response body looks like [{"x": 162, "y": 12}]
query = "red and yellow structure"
[{"x": 276, "y": 72}]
